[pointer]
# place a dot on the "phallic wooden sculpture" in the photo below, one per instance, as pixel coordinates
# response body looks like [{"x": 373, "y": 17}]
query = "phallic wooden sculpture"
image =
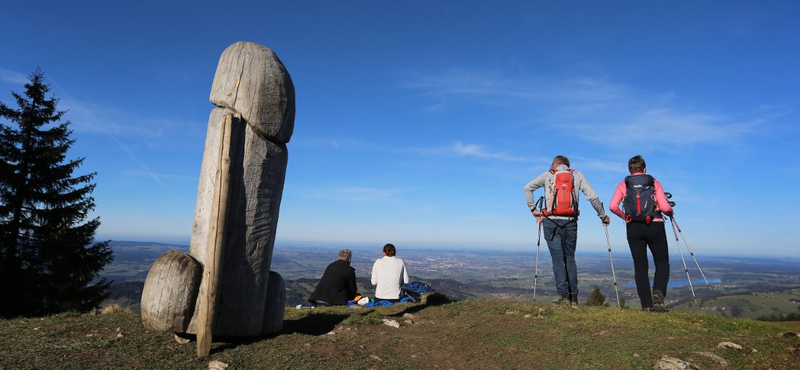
[{"x": 224, "y": 285}]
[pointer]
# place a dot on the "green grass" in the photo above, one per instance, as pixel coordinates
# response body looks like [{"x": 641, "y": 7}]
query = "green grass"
[
  {"x": 476, "y": 334},
  {"x": 751, "y": 305}
]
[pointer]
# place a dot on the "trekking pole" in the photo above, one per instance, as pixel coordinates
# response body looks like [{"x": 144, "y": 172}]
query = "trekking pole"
[
  {"x": 538, "y": 243},
  {"x": 536, "y": 274},
  {"x": 611, "y": 259},
  {"x": 682, "y": 259},
  {"x": 672, "y": 219}
]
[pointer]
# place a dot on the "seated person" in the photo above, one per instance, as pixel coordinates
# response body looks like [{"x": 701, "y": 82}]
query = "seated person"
[
  {"x": 338, "y": 283},
  {"x": 388, "y": 274}
]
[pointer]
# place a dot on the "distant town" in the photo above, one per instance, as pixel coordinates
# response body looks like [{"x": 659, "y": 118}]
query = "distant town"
[{"x": 733, "y": 286}]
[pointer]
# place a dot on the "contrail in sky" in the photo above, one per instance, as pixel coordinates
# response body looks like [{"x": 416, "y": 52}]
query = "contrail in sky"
[{"x": 142, "y": 165}]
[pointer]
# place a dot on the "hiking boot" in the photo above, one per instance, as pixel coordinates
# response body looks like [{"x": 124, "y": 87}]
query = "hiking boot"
[
  {"x": 646, "y": 309},
  {"x": 573, "y": 299},
  {"x": 561, "y": 299},
  {"x": 658, "y": 301}
]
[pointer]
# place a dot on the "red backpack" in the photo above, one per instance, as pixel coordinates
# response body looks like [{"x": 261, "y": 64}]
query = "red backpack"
[{"x": 563, "y": 202}]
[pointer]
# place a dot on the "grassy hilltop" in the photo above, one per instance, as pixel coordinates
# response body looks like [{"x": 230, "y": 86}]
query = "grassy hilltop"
[{"x": 474, "y": 334}]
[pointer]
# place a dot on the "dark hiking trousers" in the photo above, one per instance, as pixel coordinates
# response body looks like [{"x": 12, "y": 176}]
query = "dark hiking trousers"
[{"x": 654, "y": 235}]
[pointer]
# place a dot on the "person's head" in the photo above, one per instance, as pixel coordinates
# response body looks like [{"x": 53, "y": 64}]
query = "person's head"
[
  {"x": 389, "y": 250},
  {"x": 559, "y": 160},
  {"x": 345, "y": 255},
  {"x": 636, "y": 164}
]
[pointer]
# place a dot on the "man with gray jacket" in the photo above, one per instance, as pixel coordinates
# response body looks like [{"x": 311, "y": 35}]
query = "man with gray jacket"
[{"x": 561, "y": 231}]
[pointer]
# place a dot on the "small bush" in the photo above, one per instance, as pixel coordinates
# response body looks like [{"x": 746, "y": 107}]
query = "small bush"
[
  {"x": 115, "y": 308},
  {"x": 596, "y": 298}
]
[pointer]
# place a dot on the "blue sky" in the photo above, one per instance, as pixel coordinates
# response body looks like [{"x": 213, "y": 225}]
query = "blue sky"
[{"x": 418, "y": 123}]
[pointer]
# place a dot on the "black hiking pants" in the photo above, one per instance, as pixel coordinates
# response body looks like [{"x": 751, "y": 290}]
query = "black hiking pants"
[{"x": 640, "y": 237}]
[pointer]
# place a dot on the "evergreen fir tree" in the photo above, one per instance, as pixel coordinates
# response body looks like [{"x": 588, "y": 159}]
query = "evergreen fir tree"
[
  {"x": 596, "y": 298},
  {"x": 47, "y": 261},
  {"x": 623, "y": 304}
]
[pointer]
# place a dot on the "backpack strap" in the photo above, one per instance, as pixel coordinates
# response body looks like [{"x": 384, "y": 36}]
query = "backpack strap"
[
  {"x": 646, "y": 180},
  {"x": 540, "y": 205},
  {"x": 554, "y": 194},
  {"x": 558, "y": 226}
]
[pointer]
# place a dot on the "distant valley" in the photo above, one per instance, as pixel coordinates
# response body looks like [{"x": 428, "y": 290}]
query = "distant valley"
[{"x": 738, "y": 286}]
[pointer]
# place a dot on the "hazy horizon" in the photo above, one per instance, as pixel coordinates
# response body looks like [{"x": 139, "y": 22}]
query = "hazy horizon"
[
  {"x": 425, "y": 132},
  {"x": 618, "y": 251}
]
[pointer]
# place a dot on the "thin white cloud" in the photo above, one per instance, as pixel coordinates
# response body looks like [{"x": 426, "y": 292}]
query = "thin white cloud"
[
  {"x": 144, "y": 168},
  {"x": 95, "y": 120},
  {"x": 460, "y": 149},
  {"x": 599, "y": 165},
  {"x": 593, "y": 109},
  {"x": 456, "y": 82},
  {"x": 105, "y": 120},
  {"x": 81, "y": 116},
  {"x": 86, "y": 118},
  {"x": 664, "y": 127},
  {"x": 339, "y": 142},
  {"x": 486, "y": 87},
  {"x": 356, "y": 194},
  {"x": 14, "y": 78},
  {"x": 91, "y": 118}
]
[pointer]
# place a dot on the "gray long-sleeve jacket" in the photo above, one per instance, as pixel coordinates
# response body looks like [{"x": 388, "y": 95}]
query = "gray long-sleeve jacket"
[{"x": 547, "y": 180}]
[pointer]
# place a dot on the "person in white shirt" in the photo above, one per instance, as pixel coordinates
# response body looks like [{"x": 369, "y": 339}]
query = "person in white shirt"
[{"x": 388, "y": 274}]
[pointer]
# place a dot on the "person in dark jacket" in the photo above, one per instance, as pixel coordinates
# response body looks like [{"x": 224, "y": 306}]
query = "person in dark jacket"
[
  {"x": 646, "y": 234},
  {"x": 338, "y": 283}
]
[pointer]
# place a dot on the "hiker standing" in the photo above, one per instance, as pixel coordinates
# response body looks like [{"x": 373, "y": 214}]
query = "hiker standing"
[
  {"x": 338, "y": 283},
  {"x": 644, "y": 204},
  {"x": 559, "y": 218},
  {"x": 388, "y": 274}
]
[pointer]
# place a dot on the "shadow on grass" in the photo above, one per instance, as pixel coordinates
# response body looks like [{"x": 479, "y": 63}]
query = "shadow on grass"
[
  {"x": 220, "y": 343},
  {"x": 433, "y": 299},
  {"x": 320, "y": 323},
  {"x": 313, "y": 324},
  {"x": 317, "y": 323}
]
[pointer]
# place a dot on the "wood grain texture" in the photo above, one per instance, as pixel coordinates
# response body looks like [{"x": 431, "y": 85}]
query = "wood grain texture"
[
  {"x": 257, "y": 173},
  {"x": 251, "y": 80},
  {"x": 275, "y": 305},
  {"x": 251, "y": 85},
  {"x": 170, "y": 292},
  {"x": 209, "y": 286}
]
